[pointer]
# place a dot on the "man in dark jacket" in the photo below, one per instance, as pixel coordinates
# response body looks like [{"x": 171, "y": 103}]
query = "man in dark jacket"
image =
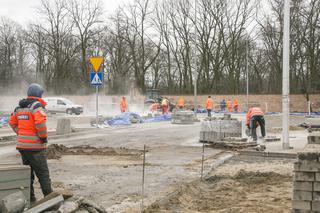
[{"x": 29, "y": 122}]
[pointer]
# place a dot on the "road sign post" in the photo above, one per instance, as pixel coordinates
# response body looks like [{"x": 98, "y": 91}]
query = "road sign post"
[{"x": 96, "y": 80}]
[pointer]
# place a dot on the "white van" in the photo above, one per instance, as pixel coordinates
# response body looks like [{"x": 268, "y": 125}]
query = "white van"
[{"x": 62, "y": 105}]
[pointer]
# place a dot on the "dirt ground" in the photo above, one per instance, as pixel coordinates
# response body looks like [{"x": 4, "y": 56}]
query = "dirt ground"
[
  {"x": 105, "y": 165},
  {"x": 242, "y": 184}
]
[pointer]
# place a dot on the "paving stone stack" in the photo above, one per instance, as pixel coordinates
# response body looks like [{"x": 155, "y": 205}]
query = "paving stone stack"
[
  {"x": 306, "y": 187},
  {"x": 183, "y": 117},
  {"x": 216, "y": 129}
]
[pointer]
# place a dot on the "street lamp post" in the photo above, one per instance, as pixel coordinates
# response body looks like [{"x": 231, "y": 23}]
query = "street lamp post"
[{"x": 285, "y": 75}]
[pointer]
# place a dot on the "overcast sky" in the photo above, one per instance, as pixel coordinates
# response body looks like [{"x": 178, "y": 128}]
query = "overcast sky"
[{"x": 23, "y": 11}]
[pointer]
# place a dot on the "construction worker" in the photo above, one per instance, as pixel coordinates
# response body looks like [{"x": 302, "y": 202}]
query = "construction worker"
[
  {"x": 181, "y": 102},
  {"x": 229, "y": 105},
  {"x": 123, "y": 104},
  {"x": 255, "y": 117},
  {"x": 165, "y": 105},
  {"x": 209, "y": 105},
  {"x": 223, "y": 105},
  {"x": 28, "y": 121},
  {"x": 236, "y": 105}
]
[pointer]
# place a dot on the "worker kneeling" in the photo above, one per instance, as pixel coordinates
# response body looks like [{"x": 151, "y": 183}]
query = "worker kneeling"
[
  {"x": 255, "y": 117},
  {"x": 28, "y": 121}
]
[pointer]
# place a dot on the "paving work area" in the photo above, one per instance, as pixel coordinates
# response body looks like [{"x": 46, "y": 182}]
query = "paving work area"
[{"x": 105, "y": 165}]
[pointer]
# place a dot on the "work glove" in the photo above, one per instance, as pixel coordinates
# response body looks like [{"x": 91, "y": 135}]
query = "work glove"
[{"x": 44, "y": 140}]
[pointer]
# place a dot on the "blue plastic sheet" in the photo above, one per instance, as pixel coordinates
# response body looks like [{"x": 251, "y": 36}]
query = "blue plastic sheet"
[
  {"x": 158, "y": 119},
  {"x": 124, "y": 119},
  {"x": 4, "y": 121}
]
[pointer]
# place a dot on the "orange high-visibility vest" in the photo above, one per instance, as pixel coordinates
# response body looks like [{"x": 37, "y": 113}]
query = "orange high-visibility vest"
[
  {"x": 253, "y": 111},
  {"x": 181, "y": 102},
  {"x": 123, "y": 105},
  {"x": 209, "y": 103},
  {"x": 30, "y": 125}
]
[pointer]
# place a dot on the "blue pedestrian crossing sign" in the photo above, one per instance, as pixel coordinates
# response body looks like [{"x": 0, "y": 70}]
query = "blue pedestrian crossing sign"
[{"x": 96, "y": 78}]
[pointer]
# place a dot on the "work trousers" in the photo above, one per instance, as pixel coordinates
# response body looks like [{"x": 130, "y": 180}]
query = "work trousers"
[
  {"x": 255, "y": 120},
  {"x": 37, "y": 160},
  {"x": 209, "y": 112}
]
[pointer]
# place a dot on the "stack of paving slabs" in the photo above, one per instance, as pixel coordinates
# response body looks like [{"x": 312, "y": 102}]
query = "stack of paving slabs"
[
  {"x": 306, "y": 187},
  {"x": 14, "y": 178},
  {"x": 183, "y": 117},
  {"x": 214, "y": 130}
]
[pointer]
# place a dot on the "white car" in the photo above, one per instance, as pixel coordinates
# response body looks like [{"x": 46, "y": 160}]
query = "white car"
[{"x": 62, "y": 105}]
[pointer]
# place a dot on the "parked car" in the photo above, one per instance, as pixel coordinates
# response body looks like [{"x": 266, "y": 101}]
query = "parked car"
[{"x": 62, "y": 105}]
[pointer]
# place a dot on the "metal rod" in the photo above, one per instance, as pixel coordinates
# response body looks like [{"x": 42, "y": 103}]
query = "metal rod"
[
  {"x": 285, "y": 76},
  {"x": 143, "y": 172},
  {"x": 309, "y": 108},
  {"x": 97, "y": 106},
  {"x": 202, "y": 161},
  {"x": 247, "y": 72},
  {"x": 196, "y": 60}
]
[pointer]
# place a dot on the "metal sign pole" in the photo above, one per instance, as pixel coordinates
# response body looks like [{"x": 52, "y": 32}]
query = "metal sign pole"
[
  {"x": 143, "y": 174},
  {"x": 97, "y": 106}
]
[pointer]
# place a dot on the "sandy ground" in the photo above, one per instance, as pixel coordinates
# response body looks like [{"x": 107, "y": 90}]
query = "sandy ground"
[
  {"x": 242, "y": 184},
  {"x": 173, "y": 162}
]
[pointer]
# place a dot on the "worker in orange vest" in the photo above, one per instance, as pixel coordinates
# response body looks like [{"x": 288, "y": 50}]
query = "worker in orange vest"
[
  {"x": 28, "y": 121},
  {"x": 236, "y": 105},
  {"x": 255, "y": 117},
  {"x": 229, "y": 105},
  {"x": 165, "y": 105},
  {"x": 123, "y": 104},
  {"x": 209, "y": 105},
  {"x": 181, "y": 103}
]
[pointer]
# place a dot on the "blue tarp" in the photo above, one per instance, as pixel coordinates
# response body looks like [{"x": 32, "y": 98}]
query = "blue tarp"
[
  {"x": 158, "y": 118},
  {"x": 124, "y": 119},
  {"x": 4, "y": 121}
]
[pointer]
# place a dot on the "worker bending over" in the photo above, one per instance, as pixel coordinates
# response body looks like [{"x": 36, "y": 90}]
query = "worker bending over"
[
  {"x": 123, "y": 105},
  {"x": 165, "y": 105},
  {"x": 29, "y": 122},
  {"x": 255, "y": 117},
  {"x": 181, "y": 103},
  {"x": 209, "y": 105}
]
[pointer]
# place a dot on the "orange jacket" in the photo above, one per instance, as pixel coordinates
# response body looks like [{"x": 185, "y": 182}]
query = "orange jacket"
[
  {"x": 153, "y": 107},
  {"x": 209, "y": 103},
  {"x": 29, "y": 122},
  {"x": 236, "y": 103},
  {"x": 181, "y": 102},
  {"x": 123, "y": 104},
  {"x": 229, "y": 104},
  {"x": 252, "y": 112}
]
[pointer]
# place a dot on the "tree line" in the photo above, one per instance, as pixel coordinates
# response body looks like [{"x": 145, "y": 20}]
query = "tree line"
[{"x": 164, "y": 44}]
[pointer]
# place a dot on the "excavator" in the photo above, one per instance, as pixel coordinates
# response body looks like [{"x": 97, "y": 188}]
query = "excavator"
[{"x": 153, "y": 96}]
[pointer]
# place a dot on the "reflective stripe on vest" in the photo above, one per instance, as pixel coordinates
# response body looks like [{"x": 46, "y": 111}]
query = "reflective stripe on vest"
[{"x": 31, "y": 145}]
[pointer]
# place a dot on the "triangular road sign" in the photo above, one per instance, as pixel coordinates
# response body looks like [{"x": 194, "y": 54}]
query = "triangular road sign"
[
  {"x": 96, "y": 80},
  {"x": 96, "y": 63}
]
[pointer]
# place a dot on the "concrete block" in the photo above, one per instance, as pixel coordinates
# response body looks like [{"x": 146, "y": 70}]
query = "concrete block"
[
  {"x": 304, "y": 176},
  {"x": 63, "y": 126},
  {"x": 14, "y": 203},
  {"x": 303, "y": 186},
  {"x": 308, "y": 156},
  {"x": 314, "y": 138},
  {"x": 316, "y": 196},
  {"x": 318, "y": 176},
  {"x": 302, "y": 195},
  {"x": 307, "y": 166},
  {"x": 316, "y": 186},
  {"x": 315, "y": 206},
  {"x": 298, "y": 211},
  {"x": 303, "y": 205}
]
